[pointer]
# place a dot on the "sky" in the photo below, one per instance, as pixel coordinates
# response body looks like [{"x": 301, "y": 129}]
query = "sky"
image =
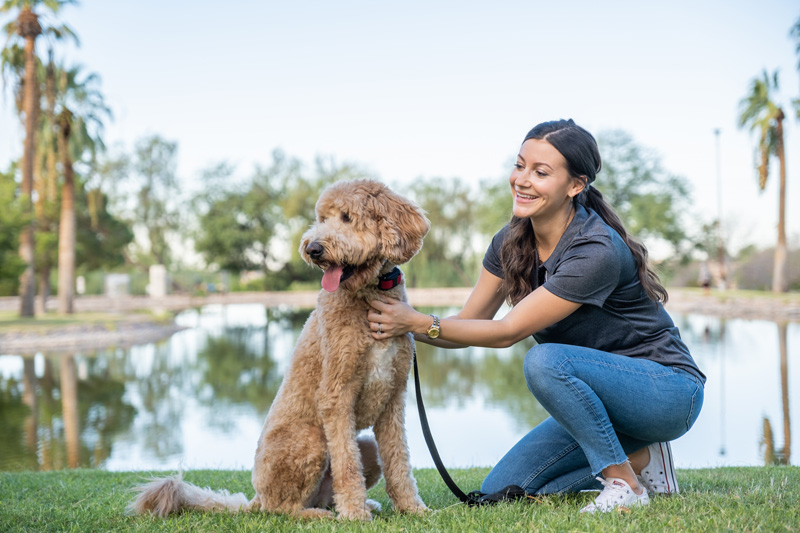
[{"x": 445, "y": 89}]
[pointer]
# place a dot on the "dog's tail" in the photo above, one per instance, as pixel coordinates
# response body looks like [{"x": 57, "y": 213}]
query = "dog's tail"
[{"x": 164, "y": 496}]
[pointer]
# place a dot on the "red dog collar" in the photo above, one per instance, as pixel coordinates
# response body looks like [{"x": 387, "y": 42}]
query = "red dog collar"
[{"x": 391, "y": 279}]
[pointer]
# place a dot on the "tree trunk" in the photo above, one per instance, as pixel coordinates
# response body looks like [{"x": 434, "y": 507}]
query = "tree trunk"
[
  {"x": 52, "y": 156},
  {"x": 27, "y": 281},
  {"x": 44, "y": 290},
  {"x": 780, "y": 281},
  {"x": 787, "y": 422},
  {"x": 66, "y": 229}
]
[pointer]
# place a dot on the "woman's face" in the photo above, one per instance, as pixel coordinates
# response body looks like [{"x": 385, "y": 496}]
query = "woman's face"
[{"x": 540, "y": 183}]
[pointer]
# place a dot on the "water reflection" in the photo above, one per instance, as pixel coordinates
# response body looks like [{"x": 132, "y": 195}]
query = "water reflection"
[
  {"x": 780, "y": 456},
  {"x": 199, "y": 398}
]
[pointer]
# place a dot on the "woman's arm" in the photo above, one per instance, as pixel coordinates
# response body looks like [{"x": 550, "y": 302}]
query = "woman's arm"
[
  {"x": 483, "y": 302},
  {"x": 535, "y": 312},
  {"x": 473, "y": 325}
]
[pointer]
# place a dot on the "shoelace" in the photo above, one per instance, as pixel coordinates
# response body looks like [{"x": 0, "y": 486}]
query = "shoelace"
[{"x": 610, "y": 492}]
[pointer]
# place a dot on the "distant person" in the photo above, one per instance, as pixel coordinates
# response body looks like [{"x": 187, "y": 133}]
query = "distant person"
[
  {"x": 610, "y": 366},
  {"x": 705, "y": 278}
]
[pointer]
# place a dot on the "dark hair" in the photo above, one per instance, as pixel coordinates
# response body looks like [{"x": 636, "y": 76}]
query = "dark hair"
[{"x": 518, "y": 253}]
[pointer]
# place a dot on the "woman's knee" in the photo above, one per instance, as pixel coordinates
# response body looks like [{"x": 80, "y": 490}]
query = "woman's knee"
[{"x": 541, "y": 363}]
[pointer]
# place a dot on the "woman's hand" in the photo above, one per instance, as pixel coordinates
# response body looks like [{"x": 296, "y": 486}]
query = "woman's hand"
[{"x": 393, "y": 318}]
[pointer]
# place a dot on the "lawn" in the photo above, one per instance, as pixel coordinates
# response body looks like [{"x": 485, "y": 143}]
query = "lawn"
[
  {"x": 10, "y": 321},
  {"x": 720, "y": 499}
]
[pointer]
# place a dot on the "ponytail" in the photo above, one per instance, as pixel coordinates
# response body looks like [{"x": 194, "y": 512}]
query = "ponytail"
[{"x": 593, "y": 199}]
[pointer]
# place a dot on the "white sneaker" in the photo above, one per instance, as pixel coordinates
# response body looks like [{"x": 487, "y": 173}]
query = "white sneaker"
[
  {"x": 616, "y": 493},
  {"x": 658, "y": 477}
]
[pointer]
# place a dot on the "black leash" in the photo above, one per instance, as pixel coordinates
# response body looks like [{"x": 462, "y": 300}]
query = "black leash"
[{"x": 512, "y": 492}]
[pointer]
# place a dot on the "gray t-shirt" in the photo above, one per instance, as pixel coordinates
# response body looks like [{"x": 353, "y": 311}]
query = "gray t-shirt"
[{"x": 593, "y": 266}]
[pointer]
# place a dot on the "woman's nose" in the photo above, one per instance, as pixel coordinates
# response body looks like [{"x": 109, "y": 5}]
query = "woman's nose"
[{"x": 520, "y": 178}]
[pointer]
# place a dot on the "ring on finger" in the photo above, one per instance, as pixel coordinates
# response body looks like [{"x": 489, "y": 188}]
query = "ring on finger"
[{"x": 379, "y": 329}]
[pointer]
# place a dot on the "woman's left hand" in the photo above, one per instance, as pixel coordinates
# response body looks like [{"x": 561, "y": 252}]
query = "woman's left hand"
[{"x": 391, "y": 318}]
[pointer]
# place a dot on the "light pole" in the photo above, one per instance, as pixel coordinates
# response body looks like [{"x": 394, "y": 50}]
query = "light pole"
[{"x": 720, "y": 248}]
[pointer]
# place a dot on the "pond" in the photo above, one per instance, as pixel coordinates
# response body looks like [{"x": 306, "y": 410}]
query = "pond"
[{"x": 199, "y": 398}]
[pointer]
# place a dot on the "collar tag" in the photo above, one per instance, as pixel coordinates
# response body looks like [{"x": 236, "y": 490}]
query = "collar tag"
[{"x": 391, "y": 279}]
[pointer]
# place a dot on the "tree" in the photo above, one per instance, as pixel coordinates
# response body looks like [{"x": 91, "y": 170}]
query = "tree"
[
  {"x": 101, "y": 237},
  {"x": 760, "y": 112},
  {"x": 27, "y": 27},
  {"x": 80, "y": 124},
  {"x": 248, "y": 226},
  {"x": 147, "y": 193},
  {"x": 794, "y": 33},
  {"x": 12, "y": 220},
  {"x": 648, "y": 199},
  {"x": 447, "y": 257}
]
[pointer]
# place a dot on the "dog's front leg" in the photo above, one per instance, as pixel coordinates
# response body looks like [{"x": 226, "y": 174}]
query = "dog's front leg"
[
  {"x": 337, "y": 410},
  {"x": 393, "y": 449}
]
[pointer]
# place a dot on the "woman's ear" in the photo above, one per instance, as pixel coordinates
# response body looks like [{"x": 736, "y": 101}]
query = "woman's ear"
[{"x": 578, "y": 185}]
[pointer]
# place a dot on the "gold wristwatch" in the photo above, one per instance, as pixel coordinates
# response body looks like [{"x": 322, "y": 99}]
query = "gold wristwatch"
[{"x": 434, "y": 330}]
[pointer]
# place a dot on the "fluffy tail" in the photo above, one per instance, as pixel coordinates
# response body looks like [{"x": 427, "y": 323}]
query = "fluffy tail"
[{"x": 168, "y": 495}]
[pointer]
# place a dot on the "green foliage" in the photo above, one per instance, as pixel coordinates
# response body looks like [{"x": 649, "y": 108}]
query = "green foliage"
[
  {"x": 144, "y": 191},
  {"x": 448, "y": 256},
  {"x": 648, "y": 199},
  {"x": 760, "y": 113},
  {"x": 12, "y": 220},
  {"x": 247, "y": 227},
  {"x": 101, "y": 238}
]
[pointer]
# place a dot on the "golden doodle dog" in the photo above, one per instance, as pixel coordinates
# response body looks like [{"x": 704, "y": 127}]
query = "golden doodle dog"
[{"x": 340, "y": 380}]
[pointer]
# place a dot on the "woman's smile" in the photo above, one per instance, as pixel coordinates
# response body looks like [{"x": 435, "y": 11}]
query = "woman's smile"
[{"x": 522, "y": 198}]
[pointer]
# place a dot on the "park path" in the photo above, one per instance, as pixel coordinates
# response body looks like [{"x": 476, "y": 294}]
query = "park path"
[
  {"x": 726, "y": 305},
  {"x": 139, "y": 328}
]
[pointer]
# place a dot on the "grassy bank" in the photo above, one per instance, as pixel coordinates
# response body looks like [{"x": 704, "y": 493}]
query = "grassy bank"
[
  {"x": 10, "y": 321},
  {"x": 722, "y": 499}
]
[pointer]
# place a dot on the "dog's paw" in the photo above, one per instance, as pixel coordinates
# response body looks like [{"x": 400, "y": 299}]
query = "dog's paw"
[
  {"x": 374, "y": 506},
  {"x": 417, "y": 508},
  {"x": 363, "y": 514}
]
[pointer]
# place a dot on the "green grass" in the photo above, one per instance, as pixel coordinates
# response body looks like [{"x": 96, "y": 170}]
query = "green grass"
[
  {"x": 721, "y": 499},
  {"x": 10, "y": 321}
]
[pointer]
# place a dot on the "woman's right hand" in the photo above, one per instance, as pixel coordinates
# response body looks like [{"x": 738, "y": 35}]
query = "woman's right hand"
[{"x": 392, "y": 318}]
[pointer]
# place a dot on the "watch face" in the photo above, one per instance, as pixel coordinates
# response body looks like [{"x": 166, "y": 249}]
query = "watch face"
[{"x": 433, "y": 333}]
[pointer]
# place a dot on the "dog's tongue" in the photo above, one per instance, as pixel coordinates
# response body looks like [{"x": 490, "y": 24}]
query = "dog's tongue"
[{"x": 330, "y": 280}]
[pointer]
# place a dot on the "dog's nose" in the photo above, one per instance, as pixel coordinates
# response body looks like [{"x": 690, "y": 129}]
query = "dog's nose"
[{"x": 314, "y": 250}]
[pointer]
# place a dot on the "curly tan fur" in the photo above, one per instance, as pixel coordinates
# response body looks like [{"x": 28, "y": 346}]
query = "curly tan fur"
[{"x": 340, "y": 379}]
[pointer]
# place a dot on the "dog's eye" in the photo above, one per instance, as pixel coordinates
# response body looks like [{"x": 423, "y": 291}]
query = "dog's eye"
[{"x": 345, "y": 218}]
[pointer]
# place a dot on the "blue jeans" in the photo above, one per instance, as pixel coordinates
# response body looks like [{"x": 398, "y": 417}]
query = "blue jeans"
[{"x": 602, "y": 407}]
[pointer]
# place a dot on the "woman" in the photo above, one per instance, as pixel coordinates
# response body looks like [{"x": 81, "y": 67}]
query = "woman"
[{"x": 610, "y": 367}]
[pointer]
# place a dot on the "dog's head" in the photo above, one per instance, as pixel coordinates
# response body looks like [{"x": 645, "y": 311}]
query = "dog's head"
[{"x": 360, "y": 225}]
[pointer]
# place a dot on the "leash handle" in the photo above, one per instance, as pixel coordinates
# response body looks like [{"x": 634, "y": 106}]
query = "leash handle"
[{"x": 426, "y": 432}]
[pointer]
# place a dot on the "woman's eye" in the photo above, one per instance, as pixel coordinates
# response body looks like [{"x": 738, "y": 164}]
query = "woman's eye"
[
  {"x": 518, "y": 166},
  {"x": 541, "y": 174},
  {"x": 345, "y": 218}
]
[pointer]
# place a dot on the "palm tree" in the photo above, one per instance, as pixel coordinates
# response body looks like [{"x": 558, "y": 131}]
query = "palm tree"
[
  {"x": 760, "y": 113},
  {"x": 80, "y": 125},
  {"x": 794, "y": 33},
  {"x": 27, "y": 27}
]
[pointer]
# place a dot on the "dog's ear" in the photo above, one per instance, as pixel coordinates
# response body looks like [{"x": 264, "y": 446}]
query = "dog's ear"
[{"x": 403, "y": 226}]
